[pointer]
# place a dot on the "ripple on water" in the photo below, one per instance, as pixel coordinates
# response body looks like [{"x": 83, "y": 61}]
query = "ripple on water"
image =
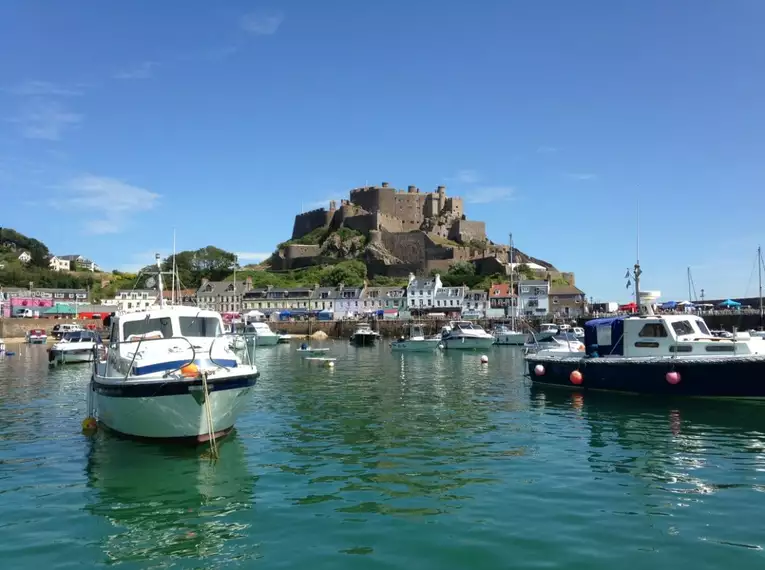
[{"x": 394, "y": 460}]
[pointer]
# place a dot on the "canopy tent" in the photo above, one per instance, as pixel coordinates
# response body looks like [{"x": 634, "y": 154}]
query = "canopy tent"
[
  {"x": 670, "y": 305},
  {"x": 629, "y": 307},
  {"x": 60, "y": 309},
  {"x": 255, "y": 315},
  {"x": 729, "y": 303}
]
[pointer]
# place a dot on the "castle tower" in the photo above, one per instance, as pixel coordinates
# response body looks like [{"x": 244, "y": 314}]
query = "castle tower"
[{"x": 441, "y": 198}]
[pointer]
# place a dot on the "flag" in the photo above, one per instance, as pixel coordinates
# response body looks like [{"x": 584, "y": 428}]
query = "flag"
[
  {"x": 628, "y": 284},
  {"x": 627, "y": 275}
]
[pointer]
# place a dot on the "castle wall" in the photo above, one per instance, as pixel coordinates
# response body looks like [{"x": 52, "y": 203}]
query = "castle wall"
[
  {"x": 308, "y": 221},
  {"x": 296, "y": 251},
  {"x": 464, "y": 230},
  {"x": 408, "y": 247}
]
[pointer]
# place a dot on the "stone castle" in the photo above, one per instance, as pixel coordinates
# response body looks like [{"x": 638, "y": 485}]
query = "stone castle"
[{"x": 407, "y": 231}]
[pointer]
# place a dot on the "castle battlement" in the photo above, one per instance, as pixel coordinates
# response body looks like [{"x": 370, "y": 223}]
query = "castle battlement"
[{"x": 311, "y": 212}]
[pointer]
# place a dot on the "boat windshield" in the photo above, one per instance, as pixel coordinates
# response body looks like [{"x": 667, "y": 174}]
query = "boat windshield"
[
  {"x": 702, "y": 326},
  {"x": 79, "y": 336},
  {"x": 200, "y": 326},
  {"x": 683, "y": 327},
  {"x": 162, "y": 325}
]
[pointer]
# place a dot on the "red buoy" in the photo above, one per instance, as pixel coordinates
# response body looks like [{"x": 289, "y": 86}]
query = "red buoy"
[
  {"x": 673, "y": 377},
  {"x": 539, "y": 370},
  {"x": 576, "y": 377}
]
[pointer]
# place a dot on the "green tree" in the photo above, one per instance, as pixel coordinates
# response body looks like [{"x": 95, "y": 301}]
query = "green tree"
[
  {"x": 39, "y": 258},
  {"x": 350, "y": 273}
]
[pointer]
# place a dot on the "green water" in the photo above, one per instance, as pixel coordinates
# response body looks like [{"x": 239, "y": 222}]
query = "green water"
[{"x": 387, "y": 461}]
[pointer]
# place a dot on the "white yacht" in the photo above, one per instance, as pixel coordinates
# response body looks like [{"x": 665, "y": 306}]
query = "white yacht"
[
  {"x": 75, "y": 346},
  {"x": 465, "y": 335},
  {"x": 508, "y": 336},
  {"x": 170, "y": 374},
  {"x": 557, "y": 343},
  {"x": 364, "y": 335},
  {"x": 417, "y": 341},
  {"x": 258, "y": 333}
]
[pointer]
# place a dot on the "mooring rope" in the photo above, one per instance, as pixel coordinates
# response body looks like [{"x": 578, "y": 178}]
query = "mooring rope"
[{"x": 208, "y": 411}]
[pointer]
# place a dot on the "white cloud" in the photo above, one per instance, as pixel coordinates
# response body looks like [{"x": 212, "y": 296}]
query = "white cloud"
[
  {"x": 111, "y": 202},
  {"x": 45, "y": 120},
  {"x": 489, "y": 194},
  {"x": 38, "y": 88},
  {"x": 141, "y": 70},
  {"x": 467, "y": 177},
  {"x": 262, "y": 23},
  {"x": 252, "y": 255},
  {"x": 581, "y": 176}
]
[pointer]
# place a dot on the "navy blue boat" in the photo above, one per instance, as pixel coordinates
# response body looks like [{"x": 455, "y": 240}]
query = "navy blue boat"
[{"x": 656, "y": 354}]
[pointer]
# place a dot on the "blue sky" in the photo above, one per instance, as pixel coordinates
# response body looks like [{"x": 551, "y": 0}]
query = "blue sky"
[{"x": 122, "y": 121}]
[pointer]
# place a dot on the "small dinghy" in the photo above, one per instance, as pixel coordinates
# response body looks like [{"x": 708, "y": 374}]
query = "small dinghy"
[{"x": 307, "y": 351}]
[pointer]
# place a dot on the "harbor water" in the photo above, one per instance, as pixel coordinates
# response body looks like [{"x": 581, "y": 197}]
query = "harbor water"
[{"x": 388, "y": 460}]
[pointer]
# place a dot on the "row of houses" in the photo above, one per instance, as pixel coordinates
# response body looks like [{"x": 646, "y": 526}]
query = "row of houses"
[
  {"x": 64, "y": 262},
  {"x": 421, "y": 295}
]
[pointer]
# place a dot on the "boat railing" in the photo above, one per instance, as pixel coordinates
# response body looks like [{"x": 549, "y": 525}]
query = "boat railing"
[
  {"x": 232, "y": 342},
  {"x": 103, "y": 354}
]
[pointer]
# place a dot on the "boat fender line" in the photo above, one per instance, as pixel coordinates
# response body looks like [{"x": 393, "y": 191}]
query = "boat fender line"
[{"x": 208, "y": 412}]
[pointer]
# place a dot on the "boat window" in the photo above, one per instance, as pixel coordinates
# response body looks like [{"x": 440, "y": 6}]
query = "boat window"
[
  {"x": 702, "y": 326},
  {"x": 200, "y": 326},
  {"x": 720, "y": 348},
  {"x": 653, "y": 330},
  {"x": 681, "y": 348},
  {"x": 683, "y": 327},
  {"x": 645, "y": 344},
  {"x": 145, "y": 326}
]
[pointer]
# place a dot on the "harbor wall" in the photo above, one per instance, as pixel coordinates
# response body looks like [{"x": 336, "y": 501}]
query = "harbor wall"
[{"x": 17, "y": 328}]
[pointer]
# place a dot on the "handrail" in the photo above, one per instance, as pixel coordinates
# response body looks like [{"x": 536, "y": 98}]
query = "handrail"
[{"x": 114, "y": 345}]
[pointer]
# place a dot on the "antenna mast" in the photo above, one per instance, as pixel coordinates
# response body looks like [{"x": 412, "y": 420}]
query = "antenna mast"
[
  {"x": 172, "y": 295},
  {"x": 158, "y": 259},
  {"x": 637, "y": 271},
  {"x": 759, "y": 277}
]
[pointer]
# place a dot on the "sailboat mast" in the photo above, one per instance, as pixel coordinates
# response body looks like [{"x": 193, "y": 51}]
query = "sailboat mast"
[
  {"x": 759, "y": 277},
  {"x": 172, "y": 294},
  {"x": 689, "y": 284},
  {"x": 512, "y": 289},
  {"x": 160, "y": 287}
]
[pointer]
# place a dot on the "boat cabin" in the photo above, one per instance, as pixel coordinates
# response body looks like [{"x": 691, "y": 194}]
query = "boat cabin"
[
  {"x": 168, "y": 322},
  {"x": 661, "y": 335},
  {"x": 81, "y": 336}
]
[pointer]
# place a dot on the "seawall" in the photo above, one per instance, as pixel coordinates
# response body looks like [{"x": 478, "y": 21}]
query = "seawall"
[{"x": 17, "y": 328}]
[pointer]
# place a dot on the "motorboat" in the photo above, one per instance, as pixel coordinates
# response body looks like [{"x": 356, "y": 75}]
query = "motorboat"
[
  {"x": 364, "y": 335},
  {"x": 560, "y": 342},
  {"x": 36, "y": 336},
  {"x": 170, "y": 374},
  {"x": 465, "y": 335},
  {"x": 508, "y": 336},
  {"x": 74, "y": 347},
  {"x": 656, "y": 354},
  {"x": 417, "y": 341},
  {"x": 258, "y": 333},
  {"x": 306, "y": 351},
  {"x": 578, "y": 333},
  {"x": 284, "y": 337}
]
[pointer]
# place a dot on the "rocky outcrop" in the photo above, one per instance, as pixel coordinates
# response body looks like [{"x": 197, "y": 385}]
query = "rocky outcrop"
[
  {"x": 336, "y": 246},
  {"x": 376, "y": 252}
]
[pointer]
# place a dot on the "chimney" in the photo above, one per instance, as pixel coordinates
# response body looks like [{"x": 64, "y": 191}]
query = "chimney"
[
  {"x": 205, "y": 281},
  {"x": 441, "y": 189},
  {"x": 411, "y": 189},
  {"x": 385, "y": 184},
  {"x": 411, "y": 278}
]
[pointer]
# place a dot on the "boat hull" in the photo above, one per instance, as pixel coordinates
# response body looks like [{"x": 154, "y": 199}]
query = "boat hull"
[
  {"x": 71, "y": 356},
  {"x": 415, "y": 345},
  {"x": 511, "y": 339},
  {"x": 467, "y": 343},
  {"x": 735, "y": 377},
  {"x": 364, "y": 339},
  {"x": 172, "y": 410},
  {"x": 266, "y": 340}
]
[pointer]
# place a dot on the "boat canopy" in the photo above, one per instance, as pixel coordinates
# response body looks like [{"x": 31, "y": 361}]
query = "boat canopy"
[{"x": 604, "y": 336}]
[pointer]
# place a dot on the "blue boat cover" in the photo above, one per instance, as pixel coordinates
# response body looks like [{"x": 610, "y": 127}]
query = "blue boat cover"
[{"x": 604, "y": 336}]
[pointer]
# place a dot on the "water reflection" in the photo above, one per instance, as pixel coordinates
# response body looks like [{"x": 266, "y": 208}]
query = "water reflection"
[{"x": 167, "y": 503}]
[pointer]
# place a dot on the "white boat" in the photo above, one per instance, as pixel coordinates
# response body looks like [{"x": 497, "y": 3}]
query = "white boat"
[
  {"x": 306, "y": 350},
  {"x": 170, "y": 374},
  {"x": 557, "y": 343},
  {"x": 36, "y": 336},
  {"x": 77, "y": 346},
  {"x": 284, "y": 338},
  {"x": 578, "y": 333},
  {"x": 364, "y": 335},
  {"x": 502, "y": 333},
  {"x": 417, "y": 341},
  {"x": 259, "y": 333},
  {"x": 465, "y": 335},
  {"x": 508, "y": 336}
]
